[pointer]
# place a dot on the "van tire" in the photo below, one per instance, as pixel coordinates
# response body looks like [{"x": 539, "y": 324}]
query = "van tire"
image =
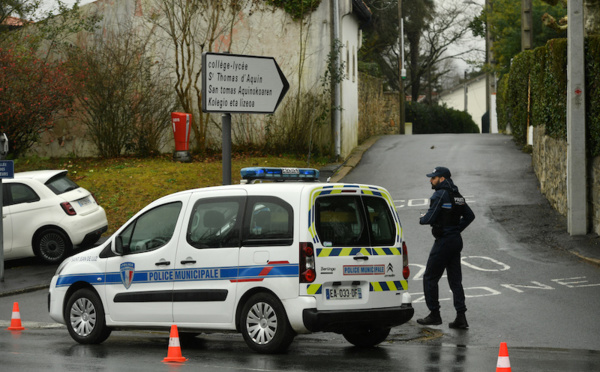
[
  {"x": 264, "y": 324},
  {"x": 368, "y": 337},
  {"x": 84, "y": 316}
]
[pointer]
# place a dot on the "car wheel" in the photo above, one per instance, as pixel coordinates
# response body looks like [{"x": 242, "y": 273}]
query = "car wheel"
[
  {"x": 264, "y": 324},
  {"x": 52, "y": 246},
  {"x": 85, "y": 319},
  {"x": 368, "y": 337}
]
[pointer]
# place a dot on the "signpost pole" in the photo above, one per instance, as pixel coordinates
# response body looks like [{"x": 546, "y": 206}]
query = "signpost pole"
[
  {"x": 226, "y": 148},
  {"x": 1, "y": 233},
  {"x": 5, "y": 172}
]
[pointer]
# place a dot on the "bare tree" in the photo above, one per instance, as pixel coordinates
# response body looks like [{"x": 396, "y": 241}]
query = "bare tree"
[
  {"x": 127, "y": 97},
  {"x": 444, "y": 39},
  {"x": 194, "y": 27}
]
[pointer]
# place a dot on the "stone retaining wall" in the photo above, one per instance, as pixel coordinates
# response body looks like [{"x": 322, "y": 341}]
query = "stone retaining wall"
[{"x": 550, "y": 166}]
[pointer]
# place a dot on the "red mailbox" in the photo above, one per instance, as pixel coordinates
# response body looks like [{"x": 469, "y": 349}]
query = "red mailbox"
[{"x": 181, "y": 130}]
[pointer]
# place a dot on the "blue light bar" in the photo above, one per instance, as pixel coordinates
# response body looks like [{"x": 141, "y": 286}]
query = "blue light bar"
[{"x": 280, "y": 174}]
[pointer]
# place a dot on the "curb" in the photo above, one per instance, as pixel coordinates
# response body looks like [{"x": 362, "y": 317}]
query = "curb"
[
  {"x": 353, "y": 159},
  {"x": 24, "y": 290}
]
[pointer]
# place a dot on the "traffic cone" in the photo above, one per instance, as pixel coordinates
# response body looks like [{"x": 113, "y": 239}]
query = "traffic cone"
[
  {"x": 15, "y": 321},
  {"x": 503, "y": 364},
  {"x": 174, "y": 354}
]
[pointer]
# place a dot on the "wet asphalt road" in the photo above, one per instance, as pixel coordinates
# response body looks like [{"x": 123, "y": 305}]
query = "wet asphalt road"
[{"x": 523, "y": 284}]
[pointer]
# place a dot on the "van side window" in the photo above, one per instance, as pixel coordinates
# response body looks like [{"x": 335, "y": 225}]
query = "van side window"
[
  {"x": 340, "y": 221},
  {"x": 383, "y": 231},
  {"x": 268, "y": 221},
  {"x": 151, "y": 230},
  {"x": 215, "y": 223}
]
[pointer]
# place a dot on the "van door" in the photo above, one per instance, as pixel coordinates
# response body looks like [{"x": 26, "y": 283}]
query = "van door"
[
  {"x": 206, "y": 264},
  {"x": 357, "y": 251},
  {"x": 140, "y": 281},
  {"x": 268, "y": 258}
]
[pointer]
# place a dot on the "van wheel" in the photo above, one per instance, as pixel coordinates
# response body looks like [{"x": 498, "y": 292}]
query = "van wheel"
[
  {"x": 85, "y": 318},
  {"x": 264, "y": 324},
  {"x": 52, "y": 246},
  {"x": 368, "y": 337}
]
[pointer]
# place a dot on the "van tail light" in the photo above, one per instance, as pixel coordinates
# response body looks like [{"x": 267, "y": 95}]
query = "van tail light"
[
  {"x": 68, "y": 208},
  {"x": 405, "y": 268},
  {"x": 307, "y": 263}
]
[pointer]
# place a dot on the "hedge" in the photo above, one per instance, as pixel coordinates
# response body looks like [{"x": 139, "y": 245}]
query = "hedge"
[
  {"x": 535, "y": 90},
  {"x": 427, "y": 119}
]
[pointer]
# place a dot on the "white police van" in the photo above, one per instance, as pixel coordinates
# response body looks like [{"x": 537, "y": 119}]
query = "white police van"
[{"x": 268, "y": 259}]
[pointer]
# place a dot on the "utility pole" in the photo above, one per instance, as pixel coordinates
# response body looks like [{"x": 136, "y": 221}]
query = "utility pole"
[
  {"x": 576, "y": 157},
  {"x": 402, "y": 71},
  {"x": 526, "y": 25}
]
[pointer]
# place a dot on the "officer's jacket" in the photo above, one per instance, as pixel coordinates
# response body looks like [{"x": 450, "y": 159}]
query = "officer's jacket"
[{"x": 448, "y": 211}]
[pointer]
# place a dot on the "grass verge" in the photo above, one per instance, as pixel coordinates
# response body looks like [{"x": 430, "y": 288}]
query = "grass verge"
[{"x": 123, "y": 186}]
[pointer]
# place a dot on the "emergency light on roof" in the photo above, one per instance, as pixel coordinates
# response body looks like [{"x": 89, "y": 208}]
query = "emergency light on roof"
[{"x": 280, "y": 174}]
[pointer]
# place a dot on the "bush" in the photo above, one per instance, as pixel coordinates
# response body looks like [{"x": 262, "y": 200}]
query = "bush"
[
  {"x": 429, "y": 119},
  {"x": 541, "y": 77}
]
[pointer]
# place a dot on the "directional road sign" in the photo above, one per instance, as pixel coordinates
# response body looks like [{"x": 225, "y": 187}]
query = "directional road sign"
[
  {"x": 236, "y": 83},
  {"x": 7, "y": 169}
]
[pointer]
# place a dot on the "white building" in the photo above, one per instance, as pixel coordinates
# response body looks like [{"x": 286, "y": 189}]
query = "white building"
[
  {"x": 470, "y": 97},
  {"x": 264, "y": 31}
]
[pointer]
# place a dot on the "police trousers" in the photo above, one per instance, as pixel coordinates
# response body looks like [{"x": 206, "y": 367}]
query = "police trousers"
[{"x": 444, "y": 255}]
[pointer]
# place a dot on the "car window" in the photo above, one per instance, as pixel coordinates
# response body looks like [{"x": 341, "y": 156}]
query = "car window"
[
  {"x": 17, "y": 193},
  {"x": 151, "y": 230},
  {"x": 383, "y": 231},
  {"x": 268, "y": 221},
  {"x": 61, "y": 183},
  {"x": 339, "y": 221},
  {"x": 215, "y": 223}
]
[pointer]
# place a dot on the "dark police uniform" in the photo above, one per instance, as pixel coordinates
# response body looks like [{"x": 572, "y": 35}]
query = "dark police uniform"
[{"x": 448, "y": 216}]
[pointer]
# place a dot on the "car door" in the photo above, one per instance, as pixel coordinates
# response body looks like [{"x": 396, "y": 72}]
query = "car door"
[
  {"x": 206, "y": 264},
  {"x": 7, "y": 231},
  {"x": 140, "y": 280},
  {"x": 22, "y": 207}
]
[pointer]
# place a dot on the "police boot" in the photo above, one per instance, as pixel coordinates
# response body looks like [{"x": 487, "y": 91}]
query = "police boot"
[
  {"x": 433, "y": 318},
  {"x": 460, "y": 322}
]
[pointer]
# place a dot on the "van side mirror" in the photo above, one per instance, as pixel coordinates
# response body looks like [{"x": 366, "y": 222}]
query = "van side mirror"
[{"x": 118, "y": 245}]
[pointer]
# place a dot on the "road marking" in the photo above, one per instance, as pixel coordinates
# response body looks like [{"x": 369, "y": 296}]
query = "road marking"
[
  {"x": 571, "y": 284},
  {"x": 421, "y": 202},
  {"x": 514, "y": 286},
  {"x": 502, "y": 266}
]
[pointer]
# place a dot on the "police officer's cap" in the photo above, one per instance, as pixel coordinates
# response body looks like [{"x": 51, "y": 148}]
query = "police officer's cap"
[{"x": 440, "y": 172}]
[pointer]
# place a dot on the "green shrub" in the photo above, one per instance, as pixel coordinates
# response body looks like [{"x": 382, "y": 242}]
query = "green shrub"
[
  {"x": 428, "y": 119},
  {"x": 592, "y": 94},
  {"x": 541, "y": 77}
]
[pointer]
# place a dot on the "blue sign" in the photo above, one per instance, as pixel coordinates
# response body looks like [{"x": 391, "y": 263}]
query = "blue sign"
[{"x": 7, "y": 169}]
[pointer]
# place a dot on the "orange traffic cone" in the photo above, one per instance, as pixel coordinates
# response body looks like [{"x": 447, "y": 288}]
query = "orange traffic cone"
[
  {"x": 15, "y": 321},
  {"x": 503, "y": 364},
  {"x": 174, "y": 354}
]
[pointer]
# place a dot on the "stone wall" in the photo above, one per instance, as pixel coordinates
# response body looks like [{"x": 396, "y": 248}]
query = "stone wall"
[{"x": 550, "y": 166}]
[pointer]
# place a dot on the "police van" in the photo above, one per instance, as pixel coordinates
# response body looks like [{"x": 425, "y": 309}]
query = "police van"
[{"x": 267, "y": 259}]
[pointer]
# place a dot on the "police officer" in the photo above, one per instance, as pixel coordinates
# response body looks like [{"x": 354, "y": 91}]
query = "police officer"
[{"x": 448, "y": 216}]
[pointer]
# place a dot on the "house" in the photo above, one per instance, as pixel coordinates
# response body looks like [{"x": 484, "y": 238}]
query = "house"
[{"x": 470, "y": 96}]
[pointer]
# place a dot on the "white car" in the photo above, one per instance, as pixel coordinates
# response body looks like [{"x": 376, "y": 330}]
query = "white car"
[
  {"x": 268, "y": 260},
  {"x": 45, "y": 214}
]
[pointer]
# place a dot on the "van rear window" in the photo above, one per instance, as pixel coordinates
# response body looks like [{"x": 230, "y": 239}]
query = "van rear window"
[{"x": 354, "y": 221}]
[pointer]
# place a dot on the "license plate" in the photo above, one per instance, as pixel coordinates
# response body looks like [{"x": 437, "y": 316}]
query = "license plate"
[
  {"x": 84, "y": 201},
  {"x": 343, "y": 293}
]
